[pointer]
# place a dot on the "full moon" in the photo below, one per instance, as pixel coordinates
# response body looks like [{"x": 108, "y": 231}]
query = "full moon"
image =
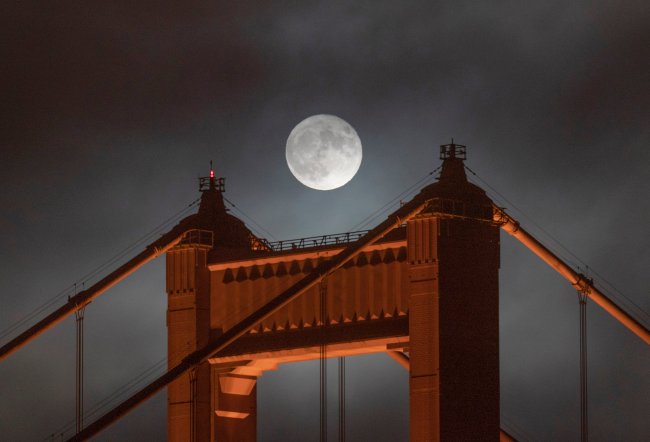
[{"x": 323, "y": 152}]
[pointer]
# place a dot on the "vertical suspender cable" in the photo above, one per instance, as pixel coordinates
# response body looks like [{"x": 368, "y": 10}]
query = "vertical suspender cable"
[
  {"x": 79, "y": 402},
  {"x": 323, "y": 362},
  {"x": 342, "y": 399},
  {"x": 584, "y": 421}
]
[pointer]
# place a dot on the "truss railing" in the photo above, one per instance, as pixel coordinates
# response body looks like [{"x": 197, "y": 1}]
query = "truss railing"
[{"x": 315, "y": 241}]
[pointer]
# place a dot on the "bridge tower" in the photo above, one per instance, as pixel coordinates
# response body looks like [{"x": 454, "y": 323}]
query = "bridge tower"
[
  {"x": 453, "y": 256},
  {"x": 195, "y": 401},
  {"x": 429, "y": 288}
]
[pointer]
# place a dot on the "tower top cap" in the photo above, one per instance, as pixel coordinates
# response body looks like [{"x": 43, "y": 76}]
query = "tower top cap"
[
  {"x": 450, "y": 151},
  {"x": 212, "y": 182}
]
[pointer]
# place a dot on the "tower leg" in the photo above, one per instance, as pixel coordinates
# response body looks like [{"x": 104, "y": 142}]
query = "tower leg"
[
  {"x": 454, "y": 329},
  {"x": 424, "y": 380},
  {"x": 189, "y": 406}
]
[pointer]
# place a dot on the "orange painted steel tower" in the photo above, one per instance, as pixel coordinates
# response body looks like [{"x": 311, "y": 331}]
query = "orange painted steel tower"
[
  {"x": 429, "y": 288},
  {"x": 424, "y": 281}
]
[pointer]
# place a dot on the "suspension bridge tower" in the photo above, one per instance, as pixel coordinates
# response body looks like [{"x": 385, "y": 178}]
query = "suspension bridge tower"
[
  {"x": 428, "y": 288},
  {"x": 454, "y": 310},
  {"x": 421, "y": 286}
]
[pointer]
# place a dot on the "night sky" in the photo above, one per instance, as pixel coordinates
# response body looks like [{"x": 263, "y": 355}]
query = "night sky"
[{"x": 111, "y": 110}]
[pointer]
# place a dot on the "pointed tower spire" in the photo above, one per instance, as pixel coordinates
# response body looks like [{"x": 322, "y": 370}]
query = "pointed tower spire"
[
  {"x": 212, "y": 205},
  {"x": 453, "y": 185},
  {"x": 452, "y": 156},
  {"x": 229, "y": 232}
]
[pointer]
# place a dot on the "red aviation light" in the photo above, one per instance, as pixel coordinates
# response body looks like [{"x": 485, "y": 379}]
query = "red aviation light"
[{"x": 211, "y": 173}]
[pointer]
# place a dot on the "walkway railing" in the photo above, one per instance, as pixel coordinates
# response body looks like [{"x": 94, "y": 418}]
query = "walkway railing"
[{"x": 315, "y": 241}]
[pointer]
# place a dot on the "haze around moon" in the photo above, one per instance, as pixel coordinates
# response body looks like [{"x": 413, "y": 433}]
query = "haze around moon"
[{"x": 323, "y": 152}]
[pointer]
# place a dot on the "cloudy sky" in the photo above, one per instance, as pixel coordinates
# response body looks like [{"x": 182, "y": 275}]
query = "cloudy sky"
[{"x": 110, "y": 111}]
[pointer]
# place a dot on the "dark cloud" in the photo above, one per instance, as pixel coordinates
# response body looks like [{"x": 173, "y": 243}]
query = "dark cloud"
[{"x": 111, "y": 110}]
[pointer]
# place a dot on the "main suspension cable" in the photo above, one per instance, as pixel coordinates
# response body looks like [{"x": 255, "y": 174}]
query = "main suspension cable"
[
  {"x": 154, "y": 370},
  {"x": 641, "y": 315},
  {"x": 86, "y": 277},
  {"x": 135, "y": 382},
  {"x": 262, "y": 229},
  {"x": 367, "y": 220}
]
